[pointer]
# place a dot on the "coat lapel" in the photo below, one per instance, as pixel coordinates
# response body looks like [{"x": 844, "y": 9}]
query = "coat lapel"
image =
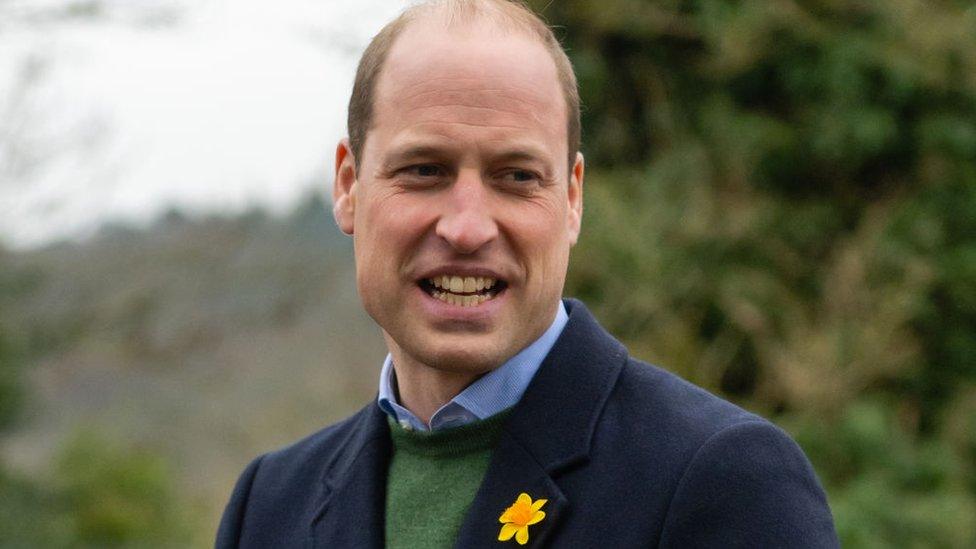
[
  {"x": 512, "y": 471},
  {"x": 550, "y": 430},
  {"x": 352, "y": 513}
]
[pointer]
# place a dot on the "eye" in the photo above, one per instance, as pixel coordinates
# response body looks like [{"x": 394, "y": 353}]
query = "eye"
[
  {"x": 422, "y": 175},
  {"x": 423, "y": 170},
  {"x": 520, "y": 177}
]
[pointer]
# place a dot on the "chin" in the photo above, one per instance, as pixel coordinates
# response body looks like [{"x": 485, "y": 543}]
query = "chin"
[{"x": 477, "y": 358}]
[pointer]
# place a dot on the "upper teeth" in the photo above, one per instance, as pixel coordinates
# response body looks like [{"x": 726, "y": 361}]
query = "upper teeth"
[{"x": 462, "y": 284}]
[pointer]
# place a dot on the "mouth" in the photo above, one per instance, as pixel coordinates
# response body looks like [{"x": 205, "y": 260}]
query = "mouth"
[{"x": 463, "y": 291}]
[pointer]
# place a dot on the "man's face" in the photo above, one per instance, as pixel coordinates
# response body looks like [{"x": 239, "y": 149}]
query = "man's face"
[{"x": 463, "y": 209}]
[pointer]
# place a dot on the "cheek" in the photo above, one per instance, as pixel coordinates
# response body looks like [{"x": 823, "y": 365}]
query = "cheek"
[
  {"x": 388, "y": 229},
  {"x": 543, "y": 242},
  {"x": 543, "y": 224},
  {"x": 402, "y": 216}
]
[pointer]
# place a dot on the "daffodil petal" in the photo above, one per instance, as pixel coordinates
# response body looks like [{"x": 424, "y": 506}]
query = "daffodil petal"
[
  {"x": 522, "y": 536},
  {"x": 508, "y": 530},
  {"x": 506, "y": 516},
  {"x": 539, "y": 515},
  {"x": 538, "y": 504},
  {"x": 524, "y": 499}
]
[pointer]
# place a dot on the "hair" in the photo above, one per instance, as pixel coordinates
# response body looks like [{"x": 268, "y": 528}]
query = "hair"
[{"x": 508, "y": 13}]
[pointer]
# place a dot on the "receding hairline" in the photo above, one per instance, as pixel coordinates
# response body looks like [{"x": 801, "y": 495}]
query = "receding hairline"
[{"x": 504, "y": 16}]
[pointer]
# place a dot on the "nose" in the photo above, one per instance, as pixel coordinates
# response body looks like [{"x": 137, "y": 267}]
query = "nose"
[{"x": 467, "y": 222}]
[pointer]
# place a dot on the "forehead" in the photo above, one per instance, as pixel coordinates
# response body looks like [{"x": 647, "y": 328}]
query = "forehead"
[{"x": 473, "y": 74}]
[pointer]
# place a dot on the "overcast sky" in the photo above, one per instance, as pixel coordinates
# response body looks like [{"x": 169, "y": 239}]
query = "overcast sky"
[{"x": 121, "y": 109}]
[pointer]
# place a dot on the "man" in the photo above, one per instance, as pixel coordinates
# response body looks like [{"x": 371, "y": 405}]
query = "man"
[{"x": 505, "y": 415}]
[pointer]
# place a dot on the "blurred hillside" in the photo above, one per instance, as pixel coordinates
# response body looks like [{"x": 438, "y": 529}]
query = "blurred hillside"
[{"x": 177, "y": 353}]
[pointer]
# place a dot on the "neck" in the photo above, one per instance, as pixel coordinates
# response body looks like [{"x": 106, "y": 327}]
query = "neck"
[{"x": 423, "y": 389}]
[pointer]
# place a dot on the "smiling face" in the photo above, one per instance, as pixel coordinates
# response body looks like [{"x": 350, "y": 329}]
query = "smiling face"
[{"x": 463, "y": 209}]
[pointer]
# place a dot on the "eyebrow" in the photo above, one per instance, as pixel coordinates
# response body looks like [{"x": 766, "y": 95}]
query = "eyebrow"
[
  {"x": 530, "y": 154},
  {"x": 411, "y": 152},
  {"x": 407, "y": 153}
]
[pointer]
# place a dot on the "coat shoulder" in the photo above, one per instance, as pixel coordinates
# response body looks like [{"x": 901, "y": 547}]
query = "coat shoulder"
[
  {"x": 723, "y": 476},
  {"x": 321, "y": 447},
  {"x": 661, "y": 401},
  {"x": 277, "y": 494}
]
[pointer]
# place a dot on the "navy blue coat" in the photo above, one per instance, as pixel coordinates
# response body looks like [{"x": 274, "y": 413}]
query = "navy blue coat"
[{"x": 628, "y": 455}]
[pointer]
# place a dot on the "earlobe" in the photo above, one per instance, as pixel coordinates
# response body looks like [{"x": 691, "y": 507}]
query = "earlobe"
[
  {"x": 575, "y": 195},
  {"x": 344, "y": 188}
]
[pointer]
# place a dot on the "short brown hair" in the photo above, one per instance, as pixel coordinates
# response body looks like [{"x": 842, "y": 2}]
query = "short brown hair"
[{"x": 512, "y": 12}]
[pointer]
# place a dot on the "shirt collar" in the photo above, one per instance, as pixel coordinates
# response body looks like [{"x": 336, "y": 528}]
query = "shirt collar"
[{"x": 493, "y": 392}]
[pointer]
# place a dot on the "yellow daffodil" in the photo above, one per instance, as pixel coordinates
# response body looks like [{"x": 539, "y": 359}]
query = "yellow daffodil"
[{"x": 519, "y": 516}]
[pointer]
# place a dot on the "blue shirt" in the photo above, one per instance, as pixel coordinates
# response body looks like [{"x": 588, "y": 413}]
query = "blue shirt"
[{"x": 493, "y": 392}]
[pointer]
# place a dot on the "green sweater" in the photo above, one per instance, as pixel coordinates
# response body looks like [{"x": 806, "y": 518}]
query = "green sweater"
[{"x": 433, "y": 479}]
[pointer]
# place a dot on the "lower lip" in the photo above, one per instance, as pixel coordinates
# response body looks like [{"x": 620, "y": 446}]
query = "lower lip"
[{"x": 443, "y": 310}]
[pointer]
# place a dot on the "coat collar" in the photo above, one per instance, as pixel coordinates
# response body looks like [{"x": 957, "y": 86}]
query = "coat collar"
[
  {"x": 556, "y": 417},
  {"x": 549, "y": 431},
  {"x": 353, "y": 509}
]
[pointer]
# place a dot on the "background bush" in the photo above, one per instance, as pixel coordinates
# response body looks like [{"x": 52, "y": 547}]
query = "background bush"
[{"x": 781, "y": 206}]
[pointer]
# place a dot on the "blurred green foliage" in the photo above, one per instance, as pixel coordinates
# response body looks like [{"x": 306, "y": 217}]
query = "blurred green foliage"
[
  {"x": 781, "y": 206},
  {"x": 101, "y": 494},
  {"x": 119, "y": 496},
  {"x": 11, "y": 382},
  {"x": 11, "y": 352}
]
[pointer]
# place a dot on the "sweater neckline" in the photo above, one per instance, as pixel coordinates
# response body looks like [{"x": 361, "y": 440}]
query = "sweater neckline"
[{"x": 473, "y": 437}]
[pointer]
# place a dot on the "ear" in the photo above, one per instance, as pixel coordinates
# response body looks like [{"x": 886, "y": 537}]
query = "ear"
[
  {"x": 344, "y": 188},
  {"x": 575, "y": 195}
]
